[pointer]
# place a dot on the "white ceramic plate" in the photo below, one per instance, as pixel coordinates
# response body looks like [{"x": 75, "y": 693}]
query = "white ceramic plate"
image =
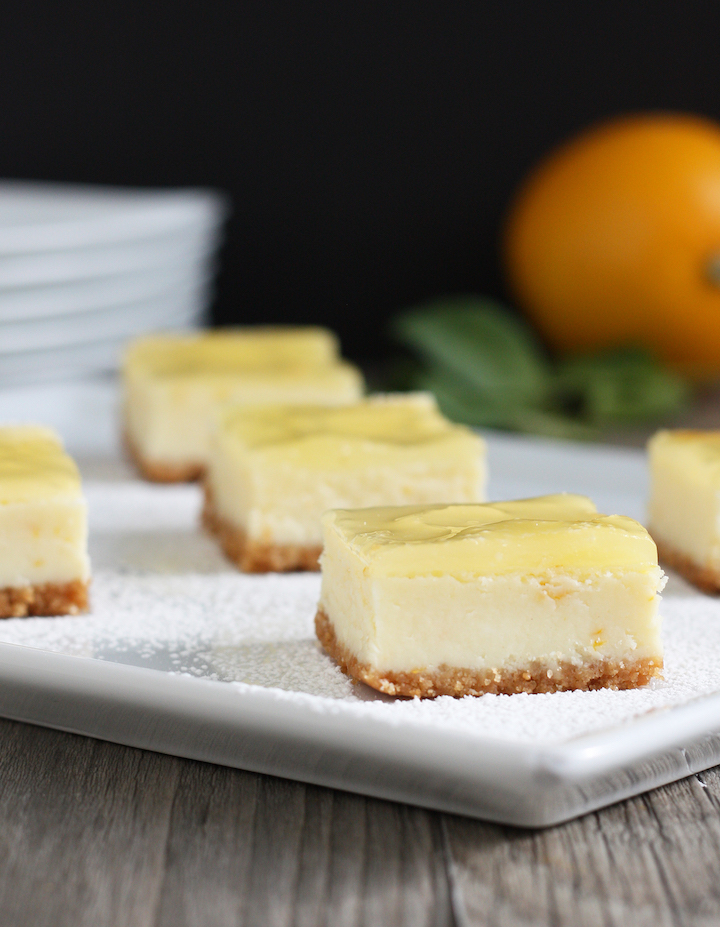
[
  {"x": 57, "y": 267},
  {"x": 184, "y": 655},
  {"x": 68, "y": 408},
  {"x": 38, "y": 216},
  {"x": 28, "y": 304},
  {"x": 184, "y": 301},
  {"x": 78, "y": 360}
]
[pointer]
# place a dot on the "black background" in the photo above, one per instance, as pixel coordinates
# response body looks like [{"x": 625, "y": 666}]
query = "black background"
[{"x": 370, "y": 149}]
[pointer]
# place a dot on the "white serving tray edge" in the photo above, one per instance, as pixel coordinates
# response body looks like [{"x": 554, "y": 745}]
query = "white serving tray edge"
[{"x": 262, "y": 730}]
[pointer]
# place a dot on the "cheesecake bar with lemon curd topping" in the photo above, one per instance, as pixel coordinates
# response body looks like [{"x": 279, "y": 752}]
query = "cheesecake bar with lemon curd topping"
[
  {"x": 44, "y": 566},
  {"x": 684, "y": 506},
  {"x": 535, "y": 595},
  {"x": 274, "y": 470},
  {"x": 174, "y": 384}
]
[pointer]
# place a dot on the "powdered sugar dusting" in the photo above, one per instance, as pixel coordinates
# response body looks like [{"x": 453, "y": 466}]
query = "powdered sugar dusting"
[{"x": 163, "y": 597}]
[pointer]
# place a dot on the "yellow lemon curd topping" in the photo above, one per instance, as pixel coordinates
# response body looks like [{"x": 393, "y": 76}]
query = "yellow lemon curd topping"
[
  {"x": 376, "y": 431},
  {"x": 34, "y": 466},
  {"x": 561, "y": 532},
  {"x": 696, "y": 453},
  {"x": 232, "y": 351}
]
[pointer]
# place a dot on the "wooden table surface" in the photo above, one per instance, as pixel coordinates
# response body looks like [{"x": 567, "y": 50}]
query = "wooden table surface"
[{"x": 96, "y": 834}]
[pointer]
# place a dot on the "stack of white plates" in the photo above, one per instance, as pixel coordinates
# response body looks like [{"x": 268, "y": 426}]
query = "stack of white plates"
[{"x": 83, "y": 269}]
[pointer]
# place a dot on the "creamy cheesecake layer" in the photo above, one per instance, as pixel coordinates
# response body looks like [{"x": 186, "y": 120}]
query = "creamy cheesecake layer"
[
  {"x": 684, "y": 506},
  {"x": 467, "y": 541},
  {"x": 275, "y": 470},
  {"x": 541, "y": 594},
  {"x": 175, "y": 384},
  {"x": 224, "y": 351},
  {"x": 43, "y": 517}
]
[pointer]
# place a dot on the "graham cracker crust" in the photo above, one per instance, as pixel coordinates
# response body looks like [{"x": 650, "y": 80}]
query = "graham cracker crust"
[
  {"x": 705, "y": 578},
  {"x": 44, "y": 599},
  {"x": 158, "y": 472},
  {"x": 254, "y": 556},
  {"x": 536, "y": 677}
]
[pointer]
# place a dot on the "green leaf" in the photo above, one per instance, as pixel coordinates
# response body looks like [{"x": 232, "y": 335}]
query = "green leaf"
[
  {"x": 462, "y": 403},
  {"x": 486, "y": 368},
  {"x": 480, "y": 342},
  {"x": 624, "y": 386}
]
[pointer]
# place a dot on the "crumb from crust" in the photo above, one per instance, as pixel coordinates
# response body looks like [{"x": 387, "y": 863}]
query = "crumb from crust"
[
  {"x": 458, "y": 682},
  {"x": 255, "y": 556},
  {"x": 44, "y": 599},
  {"x": 158, "y": 472},
  {"x": 704, "y": 578}
]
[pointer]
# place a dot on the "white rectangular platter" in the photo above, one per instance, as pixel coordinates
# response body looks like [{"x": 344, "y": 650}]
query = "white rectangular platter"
[{"x": 184, "y": 655}]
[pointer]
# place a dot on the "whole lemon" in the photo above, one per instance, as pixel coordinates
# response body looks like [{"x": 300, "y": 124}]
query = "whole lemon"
[{"x": 614, "y": 239}]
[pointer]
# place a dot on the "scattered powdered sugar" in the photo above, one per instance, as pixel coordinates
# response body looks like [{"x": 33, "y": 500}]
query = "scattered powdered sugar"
[{"x": 163, "y": 597}]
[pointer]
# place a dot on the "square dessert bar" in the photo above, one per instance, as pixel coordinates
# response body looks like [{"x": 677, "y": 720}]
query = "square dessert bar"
[
  {"x": 44, "y": 566},
  {"x": 274, "y": 470},
  {"x": 684, "y": 508},
  {"x": 174, "y": 384},
  {"x": 536, "y": 595}
]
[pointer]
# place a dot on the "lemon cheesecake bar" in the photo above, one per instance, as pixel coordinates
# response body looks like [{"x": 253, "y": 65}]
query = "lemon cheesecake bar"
[
  {"x": 44, "y": 566},
  {"x": 274, "y": 470},
  {"x": 535, "y": 595},
  {"x": 684, "y": 507},
  {"x": 173, "y": 385}
]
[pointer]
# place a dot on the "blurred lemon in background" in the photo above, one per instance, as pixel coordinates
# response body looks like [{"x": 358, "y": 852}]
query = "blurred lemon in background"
[{"x": 614, "y": 239}]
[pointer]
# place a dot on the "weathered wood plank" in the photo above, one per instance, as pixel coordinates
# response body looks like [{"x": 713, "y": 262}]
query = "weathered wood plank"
[
  {"x": 653, "y": 860},
  {"x": 94, "y": 834},
  {"x": 83, "y": 828},
  {"x": 386, "y": 865},
  {"x": 210, "y": 847},
  {"x": 253, "y": 850}
]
